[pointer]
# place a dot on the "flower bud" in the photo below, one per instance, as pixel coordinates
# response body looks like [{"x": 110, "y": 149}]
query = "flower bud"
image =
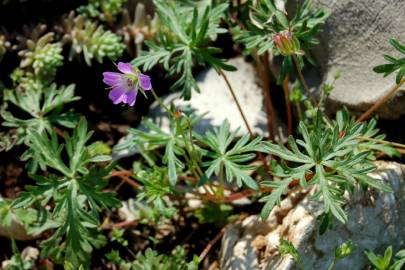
[{"x": 286, "y": 43}]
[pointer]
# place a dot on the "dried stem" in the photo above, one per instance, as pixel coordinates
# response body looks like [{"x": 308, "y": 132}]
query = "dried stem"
[
  {"x": 123, "y": 224},
  {"x": 303, "y": 82},
  {"x": 211, "y": 244},
  {"x": 125, "y": 176},
  {"x": 380, "y": 102}
]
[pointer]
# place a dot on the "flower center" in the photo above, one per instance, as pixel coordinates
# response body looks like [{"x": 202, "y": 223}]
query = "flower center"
[{"x": 130, "y": 83}]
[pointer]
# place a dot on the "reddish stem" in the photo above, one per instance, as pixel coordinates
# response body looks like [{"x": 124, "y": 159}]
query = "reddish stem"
[
  {"x": 264, "y": 71},
  {"x": 125, "y": 176},
  {"x": 288, "y": 106},
  {"x": 380, "y": 102},
  {"x": 123, "y": 224},
  {"x": 211, "y": 244}
]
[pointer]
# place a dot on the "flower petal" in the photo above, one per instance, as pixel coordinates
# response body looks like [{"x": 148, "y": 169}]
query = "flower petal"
[
  {"x": 145, "y": 82},
  {"x": 125, "y": 68},
  {"x": 117, "y": 95},
  {"x": 131, "y": 97},
  {"x": 111, "y": 78}
]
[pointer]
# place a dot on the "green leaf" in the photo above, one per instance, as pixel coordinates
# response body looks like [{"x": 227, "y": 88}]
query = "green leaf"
[
  {"x": 279, "y": 188},
  {"x": 398, "y": 46}
]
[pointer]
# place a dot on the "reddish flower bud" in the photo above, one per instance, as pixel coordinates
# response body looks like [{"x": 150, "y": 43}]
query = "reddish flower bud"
[{"x": 286, "y": 43}]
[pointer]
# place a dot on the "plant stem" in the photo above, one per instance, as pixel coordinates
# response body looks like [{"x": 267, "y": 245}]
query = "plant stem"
[
  {"x": 193, "y": 165},
  {"x": 332, "y": 265},
  {"x": 160, "y": 101},
  {"x": 303, "y": 82},
  {"x": 288, "y": 106},
  {"x": 264, "y": 71},
  {"x": 299, "y": 111},
  {"x": 399, "y": 145},
  {"x": 244, "y": 118},
  {"x": 221, "y": 181},
  {"x": 207, "y": 249},
  {"x": 380, "y": 102},
  {"x": 237, "y": 102}
]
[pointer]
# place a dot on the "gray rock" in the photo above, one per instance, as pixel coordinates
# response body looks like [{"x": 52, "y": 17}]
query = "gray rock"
[
  {"x": 375, "y": 222},
  {"x": 354, "y": 40}
]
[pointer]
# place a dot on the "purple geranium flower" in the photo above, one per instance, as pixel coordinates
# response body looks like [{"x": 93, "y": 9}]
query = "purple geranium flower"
[{"x": 125, "y": 85}]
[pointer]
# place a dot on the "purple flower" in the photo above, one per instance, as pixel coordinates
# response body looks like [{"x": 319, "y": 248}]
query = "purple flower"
[{"x": 125, "y": 85}]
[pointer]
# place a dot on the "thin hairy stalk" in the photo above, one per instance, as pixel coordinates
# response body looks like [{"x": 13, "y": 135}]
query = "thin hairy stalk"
[
  {"x": 399, "y": 145},
  {"x": 380, "y": 102},
  {"x": 288, "y": 106},
  {"x": 303, "y": 82},
  {"x": 237, "y": 102},
  {"x": 160, "y": 101},
  {"x": 189, "y": 156},
  {"x": 244, "y": 118},
  {"x": 221, "y": 181},
  {"x": 192, "y": 164}
]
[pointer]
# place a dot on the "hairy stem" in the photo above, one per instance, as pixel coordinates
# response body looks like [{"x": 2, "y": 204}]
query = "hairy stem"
[
  {"x": 380, "y": 102},
  {"x": 237, "y": 102},
  {"x": 303, "y": 82},
  {"x": 160, "y": 101}
]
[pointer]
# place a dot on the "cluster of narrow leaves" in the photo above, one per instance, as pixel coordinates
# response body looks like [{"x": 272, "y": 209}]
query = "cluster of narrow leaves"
[
  {"x": 344, "y": 250},
  {"x": 333, "y": 155},
  {"x": 395, "y": 64},
  {"x": 43, "y": 107},
  {"x": 74, "y": 188},
  {"x": 269, "y": 17},
  {"x": 151, "y": 260},
  {"x": 386, "y": 262},
  {"x": 105, "y": 10},
  {"x": 183, "y": 41}
]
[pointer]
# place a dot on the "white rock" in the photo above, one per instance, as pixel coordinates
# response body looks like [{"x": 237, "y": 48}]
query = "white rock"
[
  {"x": 216, "y": 101},
  {"x": 371, "y": 225}
]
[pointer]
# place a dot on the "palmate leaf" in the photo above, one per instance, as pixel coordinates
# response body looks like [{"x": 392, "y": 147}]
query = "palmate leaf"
[
  {"x": 335, "y": 157},
  {"x": 182, "y": 41},
  {"x": 44, "y": 107},
  {"x": 70, "y": 200},
  {"x": 274, "y": 198},
  {"x": 231, "y": 160},
  {"x": 43, "y": 104},
  {"x": 155, "y": 138}
]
